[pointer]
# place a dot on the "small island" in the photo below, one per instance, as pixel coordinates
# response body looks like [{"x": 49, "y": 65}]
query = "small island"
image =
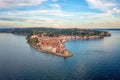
[{"x": 52, "y": 41}]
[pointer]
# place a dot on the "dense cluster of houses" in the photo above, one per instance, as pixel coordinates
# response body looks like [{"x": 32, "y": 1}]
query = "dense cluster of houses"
[
  {"x": 51, "y": 44},
  {"x": 55, "y": 45}
]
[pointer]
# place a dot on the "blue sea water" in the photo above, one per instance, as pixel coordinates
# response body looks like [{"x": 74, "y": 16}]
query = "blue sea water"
[{"x": 97, "y": 59}]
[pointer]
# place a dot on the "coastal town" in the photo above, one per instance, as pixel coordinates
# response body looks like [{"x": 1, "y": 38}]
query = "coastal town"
[{"x": 55, "y": 44}]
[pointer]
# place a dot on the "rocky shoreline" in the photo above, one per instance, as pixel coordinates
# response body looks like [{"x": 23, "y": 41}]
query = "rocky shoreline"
[
  {"x": 56, "y": 48},
  {"x": 57, "y": 54},
  {"x": 55, "y": 45}
]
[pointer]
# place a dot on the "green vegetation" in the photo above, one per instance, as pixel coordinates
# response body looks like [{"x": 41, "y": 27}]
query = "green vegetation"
[
  {"x": 70, "y": 32},
  {"x": 33, "y": 41},
  {"x": 55, "y": 31}
]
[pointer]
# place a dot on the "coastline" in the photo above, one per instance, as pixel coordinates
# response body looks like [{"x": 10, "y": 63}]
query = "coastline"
[
  {"x": 46, "y": 44},
  {"x": 57, "y": 54}
]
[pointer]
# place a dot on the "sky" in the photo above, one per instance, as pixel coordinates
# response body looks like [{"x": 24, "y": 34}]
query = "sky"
[{"x": 60, "y": 13}]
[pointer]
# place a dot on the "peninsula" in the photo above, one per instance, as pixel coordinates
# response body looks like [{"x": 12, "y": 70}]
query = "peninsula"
[{"x": 52, "y": 41}]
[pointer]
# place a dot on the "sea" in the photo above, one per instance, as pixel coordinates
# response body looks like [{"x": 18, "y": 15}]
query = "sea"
[{"x": 96, "y": 59}]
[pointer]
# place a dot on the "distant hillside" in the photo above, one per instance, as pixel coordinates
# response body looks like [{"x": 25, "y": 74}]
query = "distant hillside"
[{"x": 52, "y": 31}]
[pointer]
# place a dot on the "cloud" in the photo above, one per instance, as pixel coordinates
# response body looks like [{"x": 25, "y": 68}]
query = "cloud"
[
  {"x": 109, "y": 8},
  {"x": 27, "y": 20},
  {"x": 117, "y": 10},
  {"x": 4, "y": 4},
  {"x": 11, "y": 19},
  {"x": 57, "y": 6},
  {"x": 47, "y": 12},
  {"x": 51, "y": 13},
  {"x": 102, "y": 5}
]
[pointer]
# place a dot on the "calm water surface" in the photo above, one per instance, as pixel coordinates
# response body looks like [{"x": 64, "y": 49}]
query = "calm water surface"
[{"x": 93, "y": 60}]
